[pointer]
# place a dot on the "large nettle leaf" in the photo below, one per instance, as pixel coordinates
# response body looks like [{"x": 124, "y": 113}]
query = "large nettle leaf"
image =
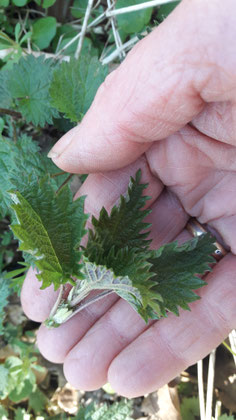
[
  {"x": 28, "y": 83},
  {"x": 50, "y": 227},
  {"x": 75, "y": 84},
  {"x": 117, "y": 257}
]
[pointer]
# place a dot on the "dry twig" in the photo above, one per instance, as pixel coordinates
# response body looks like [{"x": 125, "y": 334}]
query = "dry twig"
[{"x": 84, "y": 28}]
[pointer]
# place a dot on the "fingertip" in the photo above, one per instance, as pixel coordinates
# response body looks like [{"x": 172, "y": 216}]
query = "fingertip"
[{"x": 36, "y": 303}]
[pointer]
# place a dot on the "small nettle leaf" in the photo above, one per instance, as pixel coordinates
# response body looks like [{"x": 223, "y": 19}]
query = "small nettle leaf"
[
  {"x": 28, "y": 83},
  {"x": 50, "y": 227},
  {"x": 123, "y": 227},
  {"x": 75, "y": 84}
]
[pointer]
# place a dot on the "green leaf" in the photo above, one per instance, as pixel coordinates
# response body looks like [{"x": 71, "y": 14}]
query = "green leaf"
[
  {"x": 44, "y": 30},
  {"x": 4, "y": 294},
  {"x": 226, "y": 417},
  {"x": 117, "y": 411},
  {"x": 5, "y": 96},
  {"x": 21, "y": 414},
  {"x": 79, "y": 8},
  {"x": 3, "y": 411},
  {"x": 19, "y": 160},
  {"x": 28, "y": 83},
  {"x": 190, "y": 408},
  {"x": 165, "y": 9},
  {"x": 50, "y": 227},
  {"x": 124, "y": 227},
  {"x": 37, "y": 401},
  {"x": 48, "y": 3},
  {"x": 134, "y": 21},
  {"x": 4, "y": 373},
  {"x": 176, "y": 268},
  {"x": 20, "y": 3},
  {"x": 20, "y": 393},
  {"x": 4, "y": 3},
  {"x": 75, "y": 84}
]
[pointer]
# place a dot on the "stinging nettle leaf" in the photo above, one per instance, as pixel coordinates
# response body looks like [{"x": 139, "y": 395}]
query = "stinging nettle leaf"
[
  {"x": 18, "y": 161},
  {"x": 124, "y": 227},
  {"x": 28, "y": 83},
  {"x": 176, "y": 268},
  {"x": 50, "y": 227},
  {"x": 75, "y": 84}
]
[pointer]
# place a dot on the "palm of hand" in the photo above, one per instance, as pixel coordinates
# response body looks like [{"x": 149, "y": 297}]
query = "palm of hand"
[{"x": 196, "y": 164}]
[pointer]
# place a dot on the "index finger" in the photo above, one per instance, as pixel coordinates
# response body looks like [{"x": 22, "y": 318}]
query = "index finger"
[{"x": 163, "y": 83}]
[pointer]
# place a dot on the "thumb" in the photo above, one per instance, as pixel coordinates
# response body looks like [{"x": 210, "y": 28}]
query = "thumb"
[{"x": 164, "y": 82}]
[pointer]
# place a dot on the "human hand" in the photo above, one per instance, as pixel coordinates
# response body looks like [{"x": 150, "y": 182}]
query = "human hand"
[{"x": 182, "y": 72}]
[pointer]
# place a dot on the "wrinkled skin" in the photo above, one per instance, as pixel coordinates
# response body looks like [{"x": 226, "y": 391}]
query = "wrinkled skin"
[{"x": 170, "y": 109}]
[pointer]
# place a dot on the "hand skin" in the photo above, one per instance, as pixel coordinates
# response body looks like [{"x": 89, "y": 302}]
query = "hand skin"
[{"x": 170, "y": 108}]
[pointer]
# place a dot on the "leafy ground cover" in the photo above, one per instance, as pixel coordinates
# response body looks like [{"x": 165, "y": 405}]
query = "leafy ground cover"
[{"x": 53, "y": 57}]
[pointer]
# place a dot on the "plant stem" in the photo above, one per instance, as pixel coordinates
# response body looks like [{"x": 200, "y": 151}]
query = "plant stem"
[
  {"x": 56, "y": 304},
  {"x": 10, "y": 112},
  {"x": 64, "y": 183},
  {"x": 88, "y": 302},
  {"x": 57, "y": 174}
]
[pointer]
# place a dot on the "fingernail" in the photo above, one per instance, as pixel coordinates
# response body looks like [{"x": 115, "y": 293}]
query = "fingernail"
[
  {"x": 52, "y": 155},
  {"x": 62, "y": 144}
]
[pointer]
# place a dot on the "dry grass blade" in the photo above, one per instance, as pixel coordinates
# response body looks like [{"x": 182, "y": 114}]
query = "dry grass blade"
[
  {"x": 116, "y": 32},
  {"x": 84, "y": 28},
  {"x": 232, "y": 340},
  {"x": 210, "y": 385},
  {"x": 201, "y": 389},
  {"x": 136, "y": 7}
]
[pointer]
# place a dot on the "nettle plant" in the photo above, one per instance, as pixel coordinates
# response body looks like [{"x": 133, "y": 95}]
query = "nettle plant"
[
  {"x": 117, "y": 257},
  {"x": 50, "y": 226}
]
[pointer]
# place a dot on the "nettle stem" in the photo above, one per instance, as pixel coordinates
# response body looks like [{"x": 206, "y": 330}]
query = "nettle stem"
[
  {"x": 74, "y": 305},
  {"x": 88, "y": 302},
  {"x": 58, "y": 301}
]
